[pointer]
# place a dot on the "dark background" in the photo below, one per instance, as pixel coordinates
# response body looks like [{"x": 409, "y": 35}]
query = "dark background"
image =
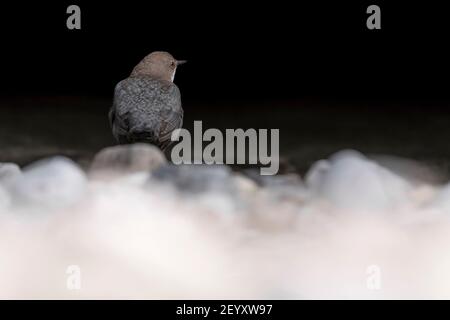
[
  {"x": 313, "y": 70},
  {"x": 236, "y": 49}
]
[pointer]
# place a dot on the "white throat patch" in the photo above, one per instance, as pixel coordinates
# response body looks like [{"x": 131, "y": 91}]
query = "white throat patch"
[{"x": 173, "y": 74}]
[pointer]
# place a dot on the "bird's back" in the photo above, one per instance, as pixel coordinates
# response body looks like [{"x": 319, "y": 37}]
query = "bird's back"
[{"x": 145, "y": 110}]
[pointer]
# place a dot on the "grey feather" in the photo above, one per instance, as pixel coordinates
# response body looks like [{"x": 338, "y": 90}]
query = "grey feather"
[{"x": 146, "y": 110}]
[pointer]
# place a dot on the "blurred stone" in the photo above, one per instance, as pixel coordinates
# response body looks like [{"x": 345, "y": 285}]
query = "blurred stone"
[
  {"x": 351, "y": 181},
  {"x": 441, "y": 199},
  {"x": 196, "y": 178},
  {"x": 5, "y": 199},
  {"x": 315, "y": 175},
  {"x": 126, "y": 159},
  {"x": 279, "y": 180},
  {"x": 244, "y": 184},
  {"x": 208, "y": 188},
  {"x": 53, "y": 182},
  {"x": 280, "y": 187},
  {"x": 412, "y": 170},
  {"x": 9, "y": 173},
  {"x": 287, "y": 188}
]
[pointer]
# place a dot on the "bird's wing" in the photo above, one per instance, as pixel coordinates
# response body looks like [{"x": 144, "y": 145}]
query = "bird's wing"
[
  {"x": 172, "y": 113},
  {"x": 169, "y": 125},
  {"x": 147, "y": 105},
  {"x": 117, "y": 116},
  {"x": 118, "y": 124}
]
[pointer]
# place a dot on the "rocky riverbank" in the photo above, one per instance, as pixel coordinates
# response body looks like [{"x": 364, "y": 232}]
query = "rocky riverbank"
[{"x": 140, "y": 227}]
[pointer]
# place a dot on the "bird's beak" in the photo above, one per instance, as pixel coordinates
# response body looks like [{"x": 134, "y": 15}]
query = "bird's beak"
[{"x": 180, "y": 62}]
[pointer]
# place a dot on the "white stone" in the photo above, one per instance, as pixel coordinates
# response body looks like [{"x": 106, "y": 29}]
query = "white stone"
[
  {"x": 53, "y": 182},
  {"x": 351, "y": 181}
]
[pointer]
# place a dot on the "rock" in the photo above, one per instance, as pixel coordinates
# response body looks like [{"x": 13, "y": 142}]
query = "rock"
[
  {"x": 351, "y": 181},
  {"x": 207, "y": 188},
  {"x": 280, "y": 187},
  {"x": 9, "y": 173},
  {"x": 5, "y": 199},
  {"x": 279, "y": 180},
  {"x": 315, "y": 176},
  {"x": 126, "y": 159},
  {"x": 53, "y": 182},
  {"x": 412, "y": 170},
  {"x": 441, "y": 199},
  {"x": 244, "y": 184},
  {"x": 287, "y": 187},
  {"x": 196, "y": 178}
]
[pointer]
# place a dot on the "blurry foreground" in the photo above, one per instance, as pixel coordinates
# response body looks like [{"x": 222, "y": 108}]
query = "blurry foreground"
[{"x": 137, "y": 227}]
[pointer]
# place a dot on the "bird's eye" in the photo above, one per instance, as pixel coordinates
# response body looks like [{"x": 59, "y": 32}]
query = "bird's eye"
[{"x": 172, "y": 64}]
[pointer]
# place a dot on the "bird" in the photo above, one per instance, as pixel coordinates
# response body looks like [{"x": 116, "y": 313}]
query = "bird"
[{"x": 147, "y": 105}]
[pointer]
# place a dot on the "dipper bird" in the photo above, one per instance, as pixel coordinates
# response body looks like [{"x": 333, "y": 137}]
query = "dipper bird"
[{"x": 147, "y": 104}]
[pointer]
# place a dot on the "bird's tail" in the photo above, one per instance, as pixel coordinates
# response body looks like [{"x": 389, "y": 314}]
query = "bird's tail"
[{"x": 148, "y": 136}]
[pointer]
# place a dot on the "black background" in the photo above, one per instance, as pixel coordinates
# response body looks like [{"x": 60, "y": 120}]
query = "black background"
[{"x": 236, "y": 50}]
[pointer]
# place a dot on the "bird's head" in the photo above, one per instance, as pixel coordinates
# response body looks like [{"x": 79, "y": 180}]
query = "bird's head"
[{"x": 159, "y": 65}]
